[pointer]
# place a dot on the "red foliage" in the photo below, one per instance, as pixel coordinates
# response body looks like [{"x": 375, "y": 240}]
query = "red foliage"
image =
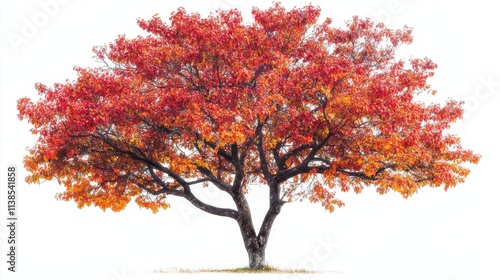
[{"x": 300, "y": 106}]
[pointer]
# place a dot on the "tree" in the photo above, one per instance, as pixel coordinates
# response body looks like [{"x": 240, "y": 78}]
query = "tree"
[{"x": 300, "y": 107}]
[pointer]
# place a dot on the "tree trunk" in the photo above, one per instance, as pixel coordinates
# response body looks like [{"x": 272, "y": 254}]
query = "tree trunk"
[
  {"x": 255, "y": 244},
  {"x": 256, "y": 256}
]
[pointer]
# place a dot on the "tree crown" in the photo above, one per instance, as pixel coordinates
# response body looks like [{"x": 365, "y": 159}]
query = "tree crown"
[{"x": 303, "y": 107}]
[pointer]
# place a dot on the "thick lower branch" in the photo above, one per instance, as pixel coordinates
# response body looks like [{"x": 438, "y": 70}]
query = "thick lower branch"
[
  {"x": 186, "y": 193},
  {"x": 225, "y": 212}
]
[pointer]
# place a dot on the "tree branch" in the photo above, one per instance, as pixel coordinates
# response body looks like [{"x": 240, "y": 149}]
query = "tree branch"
[
  {"x": 215, "y": 180},
  {"x": 212, "y": 145},
  {"x": 303, "y": 167},
  {"x": 262, "y": 155},
  {"x": 225, "y": 212}
]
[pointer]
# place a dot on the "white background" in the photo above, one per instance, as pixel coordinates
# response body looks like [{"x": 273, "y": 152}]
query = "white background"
[{"x": 441, "y": 235}]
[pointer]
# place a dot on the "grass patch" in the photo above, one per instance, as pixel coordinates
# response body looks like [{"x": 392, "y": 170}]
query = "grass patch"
[{"x": 265, "y": 269}]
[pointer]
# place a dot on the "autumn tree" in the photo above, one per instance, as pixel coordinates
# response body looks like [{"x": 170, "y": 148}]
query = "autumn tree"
[{"x": 300, "y": 107}]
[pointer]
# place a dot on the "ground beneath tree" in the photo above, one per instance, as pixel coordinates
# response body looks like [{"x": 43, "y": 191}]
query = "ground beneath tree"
[{"x": 243, "y": 273}]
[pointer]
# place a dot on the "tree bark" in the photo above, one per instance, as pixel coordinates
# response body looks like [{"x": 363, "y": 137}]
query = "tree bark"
[
  {"x": 256, "y": 249},
  {"x": 255, "y": 244},
  {"x": 257, "y": 255}
]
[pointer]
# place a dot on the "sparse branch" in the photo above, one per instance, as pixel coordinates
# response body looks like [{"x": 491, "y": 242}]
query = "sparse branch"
[
  {"x": 362, "y": 175},
  {"x": 304, "y": 167},
  {"x": 214, "y": 179},
  {"x": 357, "y": 174},
  {"x": 142, "y": 158},
  {"x": 248, "y": 144},
  {"x": 294, "y": 152},
  {"x": 227, "y": 156},
  {"x": 323, "y": 160},
  {"x": 280, "y": 161},
  {"x": 262, "y": 69},
  {"x": 192, "y": 82}
]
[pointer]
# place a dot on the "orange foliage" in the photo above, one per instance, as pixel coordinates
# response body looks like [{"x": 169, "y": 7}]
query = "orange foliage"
[{"x": 284, "y": 101}]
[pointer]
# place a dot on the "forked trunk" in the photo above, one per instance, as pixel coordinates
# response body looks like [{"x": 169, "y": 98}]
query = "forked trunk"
[
  {"x": 255, "y": 243},
  {"x": 257, "y": 257}
]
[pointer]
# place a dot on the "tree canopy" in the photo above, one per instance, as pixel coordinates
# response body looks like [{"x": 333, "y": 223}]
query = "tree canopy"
[
  {"x": 301, "y": 107},
  {"x": 215, "y": 100}
]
